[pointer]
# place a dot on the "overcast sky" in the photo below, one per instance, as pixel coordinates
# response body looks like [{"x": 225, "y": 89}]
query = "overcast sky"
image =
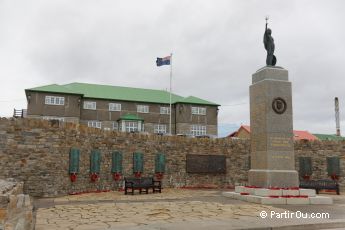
[{"x": 216, "y": 46}]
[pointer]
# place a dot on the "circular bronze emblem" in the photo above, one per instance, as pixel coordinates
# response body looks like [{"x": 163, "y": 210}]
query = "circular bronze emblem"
[{"x": 279, "y": 105}]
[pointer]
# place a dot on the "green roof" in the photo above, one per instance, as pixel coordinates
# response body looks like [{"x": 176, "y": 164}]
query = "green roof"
[
  {"x": 132, "y": 117},
  {"x": 120, "y": 93},
  {"x": 195, "y": 100},
  {"x": 329, "y": 137},
  {"x": 54, "y": 88}
]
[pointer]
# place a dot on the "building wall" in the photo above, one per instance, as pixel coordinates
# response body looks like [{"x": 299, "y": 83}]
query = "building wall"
[
  {"x": 37, "y": 153},
  {"x": 185, "y": 118},
  {"x": 37, "y": 106},
  {"x": 107, "y": 117},
  {"x": 73, "y": 111},
  {"x": 242, "y": 133},
  {"x": 184, "y": 114},
  {"x": 185, "y": 129},
  {"x": 102, "y": 112}
]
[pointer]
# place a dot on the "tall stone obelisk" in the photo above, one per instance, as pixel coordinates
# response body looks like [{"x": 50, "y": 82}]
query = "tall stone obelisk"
[{"x": 272, "y": 143}]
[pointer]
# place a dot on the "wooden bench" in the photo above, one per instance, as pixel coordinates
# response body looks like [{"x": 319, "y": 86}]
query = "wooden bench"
[
  {"x": 142, "y": 184},
  {"x": 320, "y": 185}
]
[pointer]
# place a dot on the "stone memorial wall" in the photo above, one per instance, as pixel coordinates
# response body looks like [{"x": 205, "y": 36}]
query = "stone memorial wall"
[{"x": 37, "y": 153}]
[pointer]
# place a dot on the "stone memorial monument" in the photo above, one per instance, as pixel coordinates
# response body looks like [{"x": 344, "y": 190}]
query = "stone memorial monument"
[
  {"x": 272, "y": 178},
  {"x": 272, "y": 145}
]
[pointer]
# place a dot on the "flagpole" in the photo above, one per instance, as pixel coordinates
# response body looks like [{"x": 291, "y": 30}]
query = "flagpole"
[{"x": 170, "y": 93}]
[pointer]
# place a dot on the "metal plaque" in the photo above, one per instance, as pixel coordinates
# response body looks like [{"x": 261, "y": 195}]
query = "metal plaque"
[
  {"x": 279, "y": 105},
  {"x": 205, "y": 163}
]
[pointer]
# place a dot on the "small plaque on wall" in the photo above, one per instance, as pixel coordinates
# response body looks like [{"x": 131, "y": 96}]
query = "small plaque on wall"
[{"x": 205, "y": 163}]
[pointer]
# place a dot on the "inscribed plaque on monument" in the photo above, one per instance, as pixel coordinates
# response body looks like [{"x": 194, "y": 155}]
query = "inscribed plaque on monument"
[{"x": 205, "y": 163}]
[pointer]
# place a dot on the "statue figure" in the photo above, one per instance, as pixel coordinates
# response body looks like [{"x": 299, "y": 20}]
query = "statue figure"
[{"x": 269, "y": 46}]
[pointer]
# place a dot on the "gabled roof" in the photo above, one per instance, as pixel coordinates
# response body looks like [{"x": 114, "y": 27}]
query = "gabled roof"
[
  {"x": 304, "y": 135},
  {"x": 329, "y": 137},
  {"x": 120, "y": 93},
  {"x": 194, "y": 100},
  {"x": 53, "y": 88},
  {"x": 298, "y": 134},
  {"x": 245, "y": 127}
]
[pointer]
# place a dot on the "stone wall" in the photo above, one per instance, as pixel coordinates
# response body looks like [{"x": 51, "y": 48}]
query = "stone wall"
[
  {"x": 37, "y": 153},
  {"x": 15, "y": 207},
  {"x": 319, "y": 151}
]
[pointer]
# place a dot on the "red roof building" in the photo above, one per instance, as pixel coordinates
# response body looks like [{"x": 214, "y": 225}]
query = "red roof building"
[{"x": 244, "y": 133}]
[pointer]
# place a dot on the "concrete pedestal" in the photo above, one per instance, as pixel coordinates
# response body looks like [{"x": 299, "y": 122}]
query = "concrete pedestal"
[
  {"x": 272, "y": 150},
  {"x": 277, "y": 196}
]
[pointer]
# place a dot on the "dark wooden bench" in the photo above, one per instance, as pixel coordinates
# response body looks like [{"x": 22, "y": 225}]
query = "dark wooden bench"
[
  {"x": 142, "y": 184},
  {"x": 320, "y": 185}
]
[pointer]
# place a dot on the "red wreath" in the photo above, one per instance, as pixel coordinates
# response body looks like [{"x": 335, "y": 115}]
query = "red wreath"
[
  {"x": 73, "y": 177},
  {"x": 117, "y": 176},
  {"x": 94, "y": 177},
  {"x": 159, "y": 176},
  {"x": 137, "y": 174},
  {"x": 306, "y": 177},
  {"x": 334, "y": 176}
]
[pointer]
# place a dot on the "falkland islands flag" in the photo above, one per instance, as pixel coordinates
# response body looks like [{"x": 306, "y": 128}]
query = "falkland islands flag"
[{"x": 163, "y": 61}]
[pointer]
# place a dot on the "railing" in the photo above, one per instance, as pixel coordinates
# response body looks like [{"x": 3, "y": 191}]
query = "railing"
[{"x": 19, "y": 113}]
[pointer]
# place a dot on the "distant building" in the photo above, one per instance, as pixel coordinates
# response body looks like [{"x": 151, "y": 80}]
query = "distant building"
[
  {"x": 304, "y": 135},
  {"x": 123, "y": 108},
  {"x": 329, "y": 137},
  {"x": 244, "y": 132}
]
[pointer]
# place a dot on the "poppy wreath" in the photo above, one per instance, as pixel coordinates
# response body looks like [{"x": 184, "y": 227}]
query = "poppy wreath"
[
  {"x": 334, "y": 176},
  {"x": 117, "y": 176},
  {"x": 137, "y": 174},
  {"x": 73, "y": 177},
  {"x": 159, "y": 175},
  {"x": 306, "y": 177},
  {"x": 94, "y": 177}
]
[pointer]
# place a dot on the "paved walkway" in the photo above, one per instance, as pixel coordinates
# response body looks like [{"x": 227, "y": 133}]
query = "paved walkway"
[{"x": 174, "y": 209}]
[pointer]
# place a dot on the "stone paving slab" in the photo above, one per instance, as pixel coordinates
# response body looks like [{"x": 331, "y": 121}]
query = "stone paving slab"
[
  {"x": 172, "y": 209},
  {"x": 239, "y": 224},
  {"x": 167, "y": 194},
  {"x": 110, "y": 215}
]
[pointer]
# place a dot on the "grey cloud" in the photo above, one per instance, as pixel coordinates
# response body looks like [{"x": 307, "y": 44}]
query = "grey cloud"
[{"x": 216, "y": 47}]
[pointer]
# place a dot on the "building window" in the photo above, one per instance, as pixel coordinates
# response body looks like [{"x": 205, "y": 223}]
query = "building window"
[
  {"x": 131, "y": 126},
  {"x": 158, "y": 128},
  {"x": 90, "y": 105},
  {"x": 165, "y": 110},
  {"x": 114, "y": 107},
  {"x": 198, "y": 110},
  {"x": 52, "y": 100},
  {"x": 54, "y": 118},
  {"x": 115, "y": 126},
  {"x": 95, "y": 124},
  {"x": 198, "y": 130},
  {"x": 142, "y": 108}
]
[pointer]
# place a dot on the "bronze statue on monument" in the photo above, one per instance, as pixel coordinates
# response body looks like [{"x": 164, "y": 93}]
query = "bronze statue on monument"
[{"x": 271, "y": 60}]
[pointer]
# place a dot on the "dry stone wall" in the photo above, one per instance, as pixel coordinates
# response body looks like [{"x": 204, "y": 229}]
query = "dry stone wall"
[
  {"x": 37, "y": 153},
  {"x": 16, "y": 210}
]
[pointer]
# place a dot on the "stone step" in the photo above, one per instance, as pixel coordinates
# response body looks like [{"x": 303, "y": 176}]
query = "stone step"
[
  {"x": 265, "y": 192},
  {"x": 279, "y": 200}
]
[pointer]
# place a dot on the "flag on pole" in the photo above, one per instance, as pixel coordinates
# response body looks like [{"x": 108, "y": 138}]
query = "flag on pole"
[{"x": 163, "y": 61}]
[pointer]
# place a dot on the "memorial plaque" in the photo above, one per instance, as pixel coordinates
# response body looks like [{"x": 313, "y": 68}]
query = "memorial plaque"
[{"x": 205, "y": 163}]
